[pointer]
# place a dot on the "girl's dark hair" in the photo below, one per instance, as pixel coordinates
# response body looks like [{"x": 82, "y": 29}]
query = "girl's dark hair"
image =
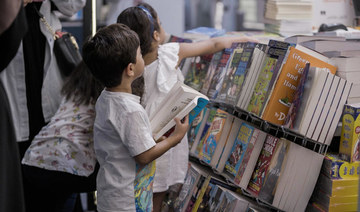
[
  {"x": 139, "y": 21},
  {"x": 82, "y": 86},
  {"x": 109, "y": 52}
]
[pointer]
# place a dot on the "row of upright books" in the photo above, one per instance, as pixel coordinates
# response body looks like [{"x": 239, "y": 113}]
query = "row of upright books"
[
  {"x": 265, "y": 166},
  {"x": 280, "y": 82}
]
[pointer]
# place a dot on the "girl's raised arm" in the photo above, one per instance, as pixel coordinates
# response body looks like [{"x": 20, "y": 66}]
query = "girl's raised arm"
[{"x": 209, "y": 46}]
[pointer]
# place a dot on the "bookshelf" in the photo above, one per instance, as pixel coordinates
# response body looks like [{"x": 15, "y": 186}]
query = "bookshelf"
[{"x": 270, "y": 128}]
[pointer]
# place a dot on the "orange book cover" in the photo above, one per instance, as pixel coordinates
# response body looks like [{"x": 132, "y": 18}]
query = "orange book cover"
[{"x": 286, "y": 85}]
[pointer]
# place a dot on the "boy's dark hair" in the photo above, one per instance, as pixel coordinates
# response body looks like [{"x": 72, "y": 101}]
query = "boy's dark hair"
[
  {"x": 82, "y": 86},
  {"x": 109, "y": 52},
  {"x": 139, "y": 21}
]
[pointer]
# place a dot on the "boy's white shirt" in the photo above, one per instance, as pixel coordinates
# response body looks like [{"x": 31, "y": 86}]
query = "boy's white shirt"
[
  {"x": 121, "y": 131},
  {"x": 160, "y": 76}
]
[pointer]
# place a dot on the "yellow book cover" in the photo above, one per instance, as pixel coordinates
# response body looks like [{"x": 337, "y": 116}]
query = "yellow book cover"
[
  {"x": 350, "y": 133},
  {"x": 286, "y": 85}
]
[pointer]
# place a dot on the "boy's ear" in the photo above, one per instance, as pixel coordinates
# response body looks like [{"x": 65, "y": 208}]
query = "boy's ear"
[
  {"x": 156, "y": 35},
  {"x": 130, "y": 70}
]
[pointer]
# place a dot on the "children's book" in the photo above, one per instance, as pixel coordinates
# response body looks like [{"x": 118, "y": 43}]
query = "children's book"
[
  {"x": 210, "y": 72},
  {"x": 251, "y": 155},
  {"x": 238, "y": 150},
  {"x": 221, "y": 120},
  {"x": 261, "y": 86},
  {"x": 263, "y": 162},
  {"x": 258, "y": 59},
  {"x": 228, "y": 145},
  {"x": 230, "y": 70},
  {"x": 286, "y": 85},
  {"x": 197, "y": 137},
  {"x": 219, "y": 74},
  {"x": 240, "y": 74},
  {"x": 295, "y": 105},
  {"x": 195, "y": 77},
  {"x": 276, "y": 167},
  {"x": 195, "y": 126},
  {"x": 196, "y": 149},
  {"x": 181, "y": 100}
]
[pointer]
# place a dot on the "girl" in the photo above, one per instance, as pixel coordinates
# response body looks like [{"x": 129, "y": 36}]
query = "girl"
[
  {"x": 161, "y": 73},
  {"x": 61, "y": 158}
]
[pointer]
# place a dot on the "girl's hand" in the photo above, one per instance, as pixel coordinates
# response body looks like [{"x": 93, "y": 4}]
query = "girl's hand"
[{"x": 27, "y": 2}]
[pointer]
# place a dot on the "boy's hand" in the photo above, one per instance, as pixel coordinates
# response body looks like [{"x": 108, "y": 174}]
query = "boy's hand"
[{"x": 181, "y": 127}]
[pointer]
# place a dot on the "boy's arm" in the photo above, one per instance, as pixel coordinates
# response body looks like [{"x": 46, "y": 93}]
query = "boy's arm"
[
  {"x": 210, "y": 46},
  {"x": 164, "y": 145}
]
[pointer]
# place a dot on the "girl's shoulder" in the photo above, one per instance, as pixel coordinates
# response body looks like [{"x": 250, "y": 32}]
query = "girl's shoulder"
[
  {"x": 168, "y": 54},
  {"x": 168, "y": 49}
]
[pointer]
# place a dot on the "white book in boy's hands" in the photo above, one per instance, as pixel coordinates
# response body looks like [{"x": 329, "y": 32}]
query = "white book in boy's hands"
[{"x": 179, "y": 102}]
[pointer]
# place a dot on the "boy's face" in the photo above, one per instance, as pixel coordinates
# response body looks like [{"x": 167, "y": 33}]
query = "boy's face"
[{"x": 140, "y": 64}]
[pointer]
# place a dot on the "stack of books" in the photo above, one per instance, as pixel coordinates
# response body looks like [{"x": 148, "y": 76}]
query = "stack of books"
[
  {"x": 288, "y": 17},
  {"x": 337, "y": 187}
]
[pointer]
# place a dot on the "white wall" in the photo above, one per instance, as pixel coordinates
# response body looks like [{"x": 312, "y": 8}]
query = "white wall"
[{"x": 171, "y": 14}]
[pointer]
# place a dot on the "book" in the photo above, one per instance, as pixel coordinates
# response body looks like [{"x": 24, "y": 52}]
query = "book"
[
  {"x": 338, "y": 113},
  {"x": 236, "y": 83},
  {"x": 195, "y": 77},
  {"x": 199, "y": 131},
  {"x": 335, "y": 168},
  {"x": 310, "y": 99},
  {"x": 328, "y": 110},
  {"x": 298, "y": 96},
  {"x": 288, "y": 80},
  {"x": 228, "y": 145},
  {"x": 268, "y": 75},
  {"x": 254, "y": 71},
  {"x": 200, "y": 137},
  {"x": 219, "y": 74},
  {"x": 350, "y": 138},
  {"x": 298, "y": 39},
  {"x": 216, "y": 136},
  {"x": 262, "y": 164},
  {"x": 325, "y": 46},
  {"x": 203, "y": 33},
  {"x": 251, "y": 73},
  {"x": 276, "y": 167},
  {"x": 322, "y": 110},
  {"x": 191, "y": 180},
  {"x": 210, "y": 72},
  {"x": 238, "y": 149},
  {"x": 195, "y": 126},
  {"x": 180, "y": 101},
  {"x": 251, "y": 155},
  {"x": 261, "y": 86},
  {"x": 234, "y": 61}
]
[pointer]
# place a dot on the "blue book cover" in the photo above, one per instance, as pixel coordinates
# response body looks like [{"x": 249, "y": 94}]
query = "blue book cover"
[{"x": 238, "y": 150}]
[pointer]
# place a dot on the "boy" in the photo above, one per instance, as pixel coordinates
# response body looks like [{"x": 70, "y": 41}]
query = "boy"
[{"x": 123, "y": 141}]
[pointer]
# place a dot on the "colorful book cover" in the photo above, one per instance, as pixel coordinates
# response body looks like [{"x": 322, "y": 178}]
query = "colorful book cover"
[
  {"x": 219, "y": 74},
  {"x": 205, "y": 131},
  {"x": 197, "y": 192},
  {"x": 258, "y": 176},
  {"x": 350, "y": 133},
  {"x": 238, "y": 150},
  {"x": 230, "y": 70},
  {"x": 283, "y": 93},
  {"x": 261, "y": 87},
  {"x": 210, "y": 72},
  {"x": 213, "y": 136},
  {"x": 336, "y": 168},
  {"x": 196, "y": 75},
  {"x": 276, "y": 167},
  {"x": 240, "y": 74},
  {"x": 249, "y": 150},
  {"x": 195, "y": 126},
  {"x": 298, "y": 96}
]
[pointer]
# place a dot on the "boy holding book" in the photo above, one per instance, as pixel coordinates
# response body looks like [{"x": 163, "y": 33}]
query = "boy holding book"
[{"x": 123, "y": 139}]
